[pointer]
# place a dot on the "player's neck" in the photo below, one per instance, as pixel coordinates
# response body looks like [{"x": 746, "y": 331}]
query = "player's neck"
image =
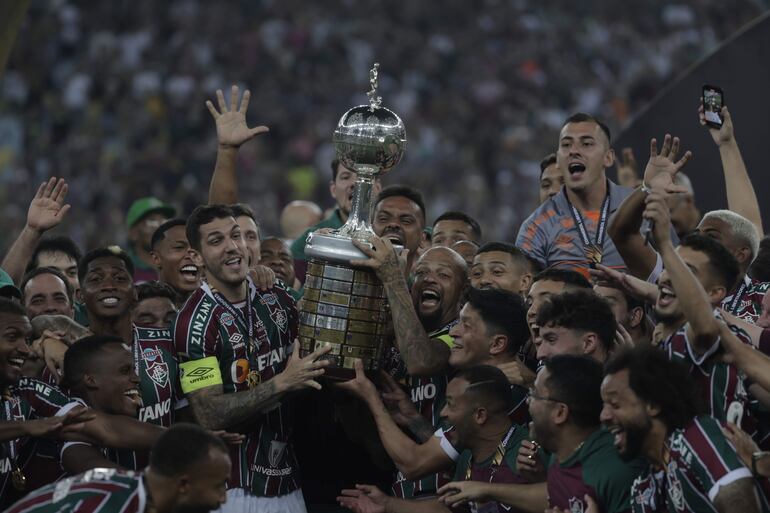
[
  {"x": 489, "y": 439},
  {"x": 589, "y": 198},
  {"x": 115, "y": 326},
  {"x": 157, "y": 487},
  {"x": 741, "y": 277},
  {"x": 233, "y": 292},
  {"x": 654, "y": 446},
  {"x": 571, "y": 440}
]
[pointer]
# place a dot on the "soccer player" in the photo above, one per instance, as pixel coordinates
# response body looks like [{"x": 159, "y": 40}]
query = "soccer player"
[
  {"x": 46, "y": 291},
  {"x": 629, "y": 312},
  {"x": 651, "y": 408},
  {"x": 399, "y": 216},
  {"x": 547, "y": 284},
  {"x": 453, "y": 226},
  {"x": 502, "y": 266},
  {"x": 59, "y": 252},
  {"x": 155, "y": 306},
  {"x": 584, "y": 466},
  {"x": 276, "y": 255},
  {"x": 144, "y": 216},
  {"x": 569, "y": 230},
  {"x": 109, "y": 295},
  {"x": 478, "y": 400},
  {"x": 188, "y": 471},
  {"x": 577, "y": 323},
  {"x": 236, "y": 343},
  {"x": 551, "y": 178},
  {"x": 170, "y": 254}
]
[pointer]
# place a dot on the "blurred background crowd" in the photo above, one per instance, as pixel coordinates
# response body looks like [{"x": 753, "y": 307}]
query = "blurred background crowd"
[{"x": 110, "y": 95}]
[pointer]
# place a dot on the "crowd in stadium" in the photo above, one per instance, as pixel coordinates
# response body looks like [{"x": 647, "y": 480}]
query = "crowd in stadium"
[{"x": 606, "y": 350}]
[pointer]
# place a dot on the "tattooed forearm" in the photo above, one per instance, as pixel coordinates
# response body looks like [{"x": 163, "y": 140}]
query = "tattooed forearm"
[
  {"x": 423, "y": 356},
  {"x": 421, "y": 429},
  {"x": 213, "y": 409}
]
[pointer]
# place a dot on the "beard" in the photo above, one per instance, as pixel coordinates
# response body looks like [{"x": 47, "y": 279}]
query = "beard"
[
  {"x": 635, "y": 436},
  {"x": 668, "y": 318}
]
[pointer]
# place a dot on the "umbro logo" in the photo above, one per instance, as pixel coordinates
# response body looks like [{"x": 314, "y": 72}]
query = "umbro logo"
[{"x": 200, "y": 371}]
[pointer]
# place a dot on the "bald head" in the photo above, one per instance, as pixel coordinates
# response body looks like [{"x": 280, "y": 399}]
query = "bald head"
[
  {"x": 298, "y": 216},
  {"x": 446, "y": 255}
]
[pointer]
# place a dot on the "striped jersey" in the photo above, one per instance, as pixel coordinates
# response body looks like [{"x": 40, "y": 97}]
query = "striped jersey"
[
  {"x": 156, "y": 367},
  {"x": 26, "y": 400},
  {"x": 699, "y": 461},
  {"x": 205, "y": 331},
  {"x": 721, "y": 384},
  {"x": 594, "y": 469},
  {"x": 99, "y": 490},
  {"x": 428, "y": 395},
  {"x": 748, "y": 303},
  {"x": 499, "y": 467}
]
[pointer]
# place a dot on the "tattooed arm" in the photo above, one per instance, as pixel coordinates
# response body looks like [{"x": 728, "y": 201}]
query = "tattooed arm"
[
  {"x": 423, "y": 355},
  {"x": 215, "y": 410}
]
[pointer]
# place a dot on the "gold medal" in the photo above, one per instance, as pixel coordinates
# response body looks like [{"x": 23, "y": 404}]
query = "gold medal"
[
  {"x": 18, "y": 479},
  {"x": 593, "y": 253}
]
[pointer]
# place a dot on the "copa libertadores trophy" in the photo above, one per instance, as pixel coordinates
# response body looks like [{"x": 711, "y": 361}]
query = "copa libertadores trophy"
[{"x": 345, "y": 307}]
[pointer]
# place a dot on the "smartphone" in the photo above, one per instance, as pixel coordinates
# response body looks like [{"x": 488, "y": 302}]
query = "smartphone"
[{"x": 713, "y": 101}]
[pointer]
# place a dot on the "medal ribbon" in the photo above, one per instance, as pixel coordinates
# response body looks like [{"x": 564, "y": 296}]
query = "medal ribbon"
[
  {"x": 224, "y": 303},
  {"x": 601, "y": 230},
  {"x": 498, "y": 458},
  {"x": 736, "y": 301},
  {"x": 18, "y": 480}
]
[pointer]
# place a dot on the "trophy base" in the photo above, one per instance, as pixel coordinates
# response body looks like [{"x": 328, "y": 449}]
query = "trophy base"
[{"x": 332, "y": 247}]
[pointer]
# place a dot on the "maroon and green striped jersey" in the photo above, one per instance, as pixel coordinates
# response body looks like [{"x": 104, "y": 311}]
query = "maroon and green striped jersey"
[
  {"x": 721, "y": 384},
  {"x": 746, "y": 303},
  {"x": 499, "y": 467},
  {"x": 264, "y": 464},
  {"x": 26, "y": 400},
  {"x": 699, "y": 461},
  {"x": 595, "y": 469},
  {"x": 98, "y": 490},
  {"x": 429, "y": 396}
]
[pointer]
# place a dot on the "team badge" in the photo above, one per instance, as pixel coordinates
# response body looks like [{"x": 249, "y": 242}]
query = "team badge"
[
  {"x": 158, "y": 372},
  {"x": 279, "y": 318},
  {"x": 227, "y": 319},
  {"x": 277, "y": 453},
  {"x": 576, "y": 505},
  {"x": 675, "y": 491}
]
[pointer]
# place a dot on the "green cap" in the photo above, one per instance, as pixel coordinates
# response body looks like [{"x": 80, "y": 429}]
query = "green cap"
[
  {"x": 7, "y": 288},
  {"x": 144, "y": 206}
]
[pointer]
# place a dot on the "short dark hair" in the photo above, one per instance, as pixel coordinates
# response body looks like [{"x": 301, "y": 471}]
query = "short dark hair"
[
  {"x": 456, "y": 215},
  {"x": 55, "y": 244},
  {"x": 160, "y": 233},
  {"x": 502, "y": 312},
  {"x": 243, "y": 210},
  {"x": 723, "y": 263},
  {"x": 11, "y": 306},
  {"x": 182, "y": 446},
  {"x": 405, "y": 191},
  {"x": 760, "y": 267},
  {"x": 48, "y": 270},
  {"x": 549, "y": 159},
  {"x": 582, "y": 117},
  {"x": 660, "y": 382},
  {"x": 517, "y": 255},
  {"x": 488, "y": 386},
  {"x": 109, "y": 251},
  {"x": 204, "y": 214},
  {"x": 576, "y": 381},
  {"x": 582, "y": 310},
  {"x": 79, "y": 356},
  {"x": 335, "y": 165},
  {"x": 150, "y": 289},
  {"x": 571, "y": 279},
  {"x": 535, "y": 267}
]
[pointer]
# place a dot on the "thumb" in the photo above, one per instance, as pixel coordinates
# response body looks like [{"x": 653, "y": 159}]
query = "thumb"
[{"x": 590, "y": 501}]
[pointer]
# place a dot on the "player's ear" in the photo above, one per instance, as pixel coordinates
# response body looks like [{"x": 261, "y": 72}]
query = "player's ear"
[{"x": 183, "y": 484}]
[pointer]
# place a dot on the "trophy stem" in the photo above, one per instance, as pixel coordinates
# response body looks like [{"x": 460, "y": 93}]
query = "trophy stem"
[{"x": 358, "y": 225}]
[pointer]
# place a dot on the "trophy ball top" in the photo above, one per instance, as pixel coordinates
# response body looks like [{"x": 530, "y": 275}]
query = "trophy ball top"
[{"x": 368, "y": 137}]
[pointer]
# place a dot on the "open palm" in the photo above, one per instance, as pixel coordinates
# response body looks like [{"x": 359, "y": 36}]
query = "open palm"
[
  {"x": 47, "y": 208},
  {"x": 232, "y": 129},
  {"x": 662, "y": 167}
]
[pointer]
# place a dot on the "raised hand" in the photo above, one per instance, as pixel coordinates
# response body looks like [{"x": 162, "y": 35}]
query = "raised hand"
[
  {"x": 398, "y": 403},
  {"x": 723, "y": 135},
  {"x": 382, "y": 258},
  {"x": 47, "y": 208},
  {"x": 360, "y": 386},
  {"x": 301, "y": 372},
  {"x": 662, "y": 167},
  {"x": 635, "y": 287},
  {"x": 628, "y": 169},
  {"x": 263, "y": 276},
  {"x": 232, "y": 130},
  {"x": 656, "y": 210}
]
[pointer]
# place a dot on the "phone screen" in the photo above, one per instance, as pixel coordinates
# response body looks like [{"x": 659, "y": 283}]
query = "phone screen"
[{"x": 712, "y": 105}]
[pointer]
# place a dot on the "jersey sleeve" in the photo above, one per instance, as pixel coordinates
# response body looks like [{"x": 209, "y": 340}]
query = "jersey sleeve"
[
  {"x": 463, "y": 463},
  {"x": 44, "y": 400},
  {"x": 714, "y": 462},
  {"x": 196, "y": 331},
  {"x": 532, "y": 239}
]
